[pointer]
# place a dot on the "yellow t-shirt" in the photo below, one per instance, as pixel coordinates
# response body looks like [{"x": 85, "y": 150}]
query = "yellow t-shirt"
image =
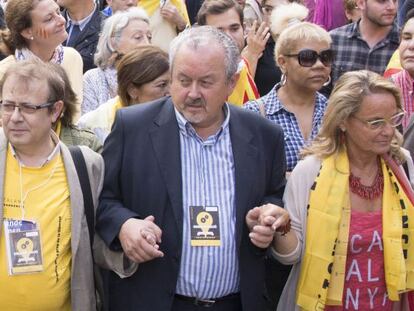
[{"x": 49, "y": 205}]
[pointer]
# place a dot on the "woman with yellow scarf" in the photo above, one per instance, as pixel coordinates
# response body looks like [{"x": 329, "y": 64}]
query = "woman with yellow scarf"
[{"x": 351, "y": 206}]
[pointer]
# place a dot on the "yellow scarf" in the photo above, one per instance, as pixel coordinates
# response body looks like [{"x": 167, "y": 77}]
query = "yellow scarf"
[
  {"x": 118, "y": 105},
  {"x": 150, "y": 6},
  {"x": 323, "y": 265}
]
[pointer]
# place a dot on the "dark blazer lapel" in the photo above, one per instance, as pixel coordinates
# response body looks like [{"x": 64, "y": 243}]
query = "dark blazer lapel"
[
  {"x": 166, "y": 142},
  {"x": 245, "y": 155}
]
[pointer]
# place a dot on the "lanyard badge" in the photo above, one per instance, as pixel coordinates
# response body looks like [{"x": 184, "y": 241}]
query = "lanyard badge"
[
  {"x": 23, "y": 246},
  {"x": 205, "y": 226}
]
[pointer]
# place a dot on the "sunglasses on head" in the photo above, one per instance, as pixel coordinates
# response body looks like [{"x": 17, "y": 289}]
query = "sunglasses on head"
[{"x": 308, "y": 58}]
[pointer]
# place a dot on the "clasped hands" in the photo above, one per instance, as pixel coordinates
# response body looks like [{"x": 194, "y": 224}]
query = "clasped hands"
[
  {"x": 140, "y": 239},
  {"x": 264, "y": 221}
]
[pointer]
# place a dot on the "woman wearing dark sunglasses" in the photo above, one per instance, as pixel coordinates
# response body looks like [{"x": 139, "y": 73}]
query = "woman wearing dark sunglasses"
[
  {"x": 304, "y": 56},
  {"x": 351, "y": 205}
]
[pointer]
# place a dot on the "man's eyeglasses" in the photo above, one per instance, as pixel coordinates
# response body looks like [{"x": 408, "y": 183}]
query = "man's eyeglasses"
[
  {"x": 25, "y": 108},
  {"x": 308, "y": 58},
  {"x": 377, "y": 124}
]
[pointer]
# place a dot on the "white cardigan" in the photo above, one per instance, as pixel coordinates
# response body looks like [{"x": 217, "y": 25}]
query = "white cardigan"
[{"x": 296, "y": 198}]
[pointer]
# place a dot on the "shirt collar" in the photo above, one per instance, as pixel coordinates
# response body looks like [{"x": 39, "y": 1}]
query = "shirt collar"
[
  {"x": 392, "y": 36},
  {"x": 54, "y": 152},
  {"x": 187, "y": 129},
  {"x": 274, "y": 104},
  {"x": 408, "y": 80},
  {"x": 354, "y": 29},
  {"x": 82, "y": 23}
]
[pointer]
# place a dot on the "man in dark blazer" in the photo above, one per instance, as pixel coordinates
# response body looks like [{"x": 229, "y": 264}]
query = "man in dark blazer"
[
  {"x": 83, "y": 24},
  {"x": 184, "y": 180}
]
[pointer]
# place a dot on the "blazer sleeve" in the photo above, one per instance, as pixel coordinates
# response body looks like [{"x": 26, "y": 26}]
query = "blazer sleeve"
[
  {"x": 111, "y": 260},
  {"x": 112, "y": 213},
  {"x": 274, "y": 193},
  {"x": 103, "y": 256}
]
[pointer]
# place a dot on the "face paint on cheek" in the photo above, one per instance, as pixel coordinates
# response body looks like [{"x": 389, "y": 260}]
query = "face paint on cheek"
[{"x": 42, "y": 33}]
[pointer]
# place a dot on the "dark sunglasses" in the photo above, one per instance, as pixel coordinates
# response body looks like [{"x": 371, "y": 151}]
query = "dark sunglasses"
[{"x": 308, "y": 58}]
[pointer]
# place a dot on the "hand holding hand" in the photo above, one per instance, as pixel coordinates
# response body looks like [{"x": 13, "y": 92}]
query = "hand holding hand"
[
  {"x": 140, "y": 238},
  {"x": 264, "y": 221},
  {"x": 274, "y": 216}
]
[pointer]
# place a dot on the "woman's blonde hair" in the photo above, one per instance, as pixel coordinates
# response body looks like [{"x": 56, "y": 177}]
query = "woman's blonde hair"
[
  {"x": 299, "y": 32},
  {"x": 345, "y": 100}
]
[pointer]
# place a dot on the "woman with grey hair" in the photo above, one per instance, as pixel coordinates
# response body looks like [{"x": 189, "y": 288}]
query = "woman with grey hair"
[{"x": 121, "y": 33}]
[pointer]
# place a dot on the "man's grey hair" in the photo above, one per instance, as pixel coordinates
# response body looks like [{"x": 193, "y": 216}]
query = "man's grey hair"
[
  {"x": 207, "y": 35},
  {"x": 111, "y": 34}
]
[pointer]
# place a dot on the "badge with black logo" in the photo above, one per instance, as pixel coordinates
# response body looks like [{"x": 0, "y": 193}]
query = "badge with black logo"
[{"x": 205, "y": 226}]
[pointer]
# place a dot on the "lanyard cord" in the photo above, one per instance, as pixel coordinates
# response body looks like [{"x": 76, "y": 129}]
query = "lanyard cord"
[{"x": 23, "y": 198}]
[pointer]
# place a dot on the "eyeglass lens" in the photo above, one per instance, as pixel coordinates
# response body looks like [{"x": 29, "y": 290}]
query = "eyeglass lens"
[{"x": 307, "y": 58}]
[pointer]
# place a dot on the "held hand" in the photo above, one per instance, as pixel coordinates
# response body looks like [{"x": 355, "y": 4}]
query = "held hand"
[
  {"x": 171, "y": 14},
  {"x": 139, "y": 239},
  {"x": 264, "y": 221},
  {"x": 252, "y": 218},
  {"x": 260, "y": 235},
  {"x": 274, "y": 216}
]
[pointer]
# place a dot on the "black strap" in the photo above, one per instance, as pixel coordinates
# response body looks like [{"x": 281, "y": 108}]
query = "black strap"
[
  {"x": 83, "y": 176},
  {"x": 405, "y": 167}
]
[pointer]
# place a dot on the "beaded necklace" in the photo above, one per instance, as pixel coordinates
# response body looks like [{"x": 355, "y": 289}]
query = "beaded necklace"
[{"x": 367, "y": 192}]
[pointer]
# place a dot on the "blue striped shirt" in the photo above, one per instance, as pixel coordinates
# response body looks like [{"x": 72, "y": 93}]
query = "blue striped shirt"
[
  {"x": 276, "y": 112},
  {"x": 208, "y": 180}
]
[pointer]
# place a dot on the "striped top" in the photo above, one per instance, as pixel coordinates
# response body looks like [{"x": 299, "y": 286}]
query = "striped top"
[
  {"x": 404, "y": 81},
  {"x": 208, "y": 179}
]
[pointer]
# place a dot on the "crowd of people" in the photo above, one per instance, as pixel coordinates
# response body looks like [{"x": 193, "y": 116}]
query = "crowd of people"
[{"x": 207, "y": 154}]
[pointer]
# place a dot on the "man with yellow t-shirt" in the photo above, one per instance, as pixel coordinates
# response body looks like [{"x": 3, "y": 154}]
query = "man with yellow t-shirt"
[{"x": 45, "y": 255}]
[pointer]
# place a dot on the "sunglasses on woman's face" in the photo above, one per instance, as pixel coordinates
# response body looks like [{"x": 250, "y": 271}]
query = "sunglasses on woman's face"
[{"x": 308, "y": 58}]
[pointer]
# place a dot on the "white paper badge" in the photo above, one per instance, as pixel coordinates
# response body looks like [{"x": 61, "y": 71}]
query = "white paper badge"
[
  {"x": 24, "y": 249},
  {"x": 205, "y": 226}
]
